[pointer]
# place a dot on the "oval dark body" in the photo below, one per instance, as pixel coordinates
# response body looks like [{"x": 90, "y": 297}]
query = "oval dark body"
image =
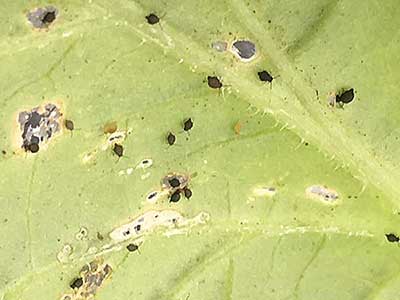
[
  {"x": 188, "y": 124},
  {"x": 187, "y": 192},
  {"x": 76, "y": 283},
  {"x": 265, "y": 76},
  {"x": 392, "y": 238},
  {"x": 175, "y": 197},
  {"x": 49, "y": 17},
  {"x": 34, "y": 148},
  {"x": 174, "y": 182},
  {"x": 69, "y": 125},
  {"x": 118, "y": 150},
  {"x": 171, "y": 138},
  {"x": 152, "y": 19},
  {"x": 346, "y": 97},
  {"x": 132, "y": 247},
  {"x": 214, "y": 82}
]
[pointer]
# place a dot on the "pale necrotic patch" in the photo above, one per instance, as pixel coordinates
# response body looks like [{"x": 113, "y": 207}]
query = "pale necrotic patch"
[
  {"x": 265, "y": 191},
  {"x": 145, "y": 223},
  {"x": 91, "y": 277},
  {"x": 151, "y": 220},
  {"x": 322, "y": 193},
  {"x": 38, "y": 126},
  {"x": 243, "y": 49},
  {"x": 82, "y": 234},
  {"x": 219, "y": 46},
  {"x": 64, "y": 255},
  {"x": 42, "y": 17}
]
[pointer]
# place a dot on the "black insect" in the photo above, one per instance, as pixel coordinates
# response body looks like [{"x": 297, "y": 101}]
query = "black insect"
[
  {"x": 76, "y": 283},
  {"x": 132, "y": 247},
  {"x": 174, "y": 182},
  {"x": 118, "y": 150},
  {"x": 34, "y": 148},
  {"x": 49, "y": 17},
  {"x": 152, "y": 19},
  {"x": 175, "y": 197},
  {"x": 171, "y": 138},
  {"x": 214, "y": 82},
  {"x": 69, "y": 125},
  {"x": 345, "y": 97},
  {"x": 188, "y": 124},
  {"x": 392, "y": 238},
  {"x": 265, "y": 76},
  {"x": 187, "y": 192}
]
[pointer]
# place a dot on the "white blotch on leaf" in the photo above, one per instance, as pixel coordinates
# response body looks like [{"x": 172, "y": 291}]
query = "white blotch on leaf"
[
  {"x": 63, "y": 256},
  {"x": 81, "y": 234},
  {"x": 153, "y": 219},
  {"x": 264, "y": 191},
  {"x": 322, "y": 193}
]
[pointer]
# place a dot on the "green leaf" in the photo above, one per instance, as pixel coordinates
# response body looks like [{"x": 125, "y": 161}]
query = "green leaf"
[{"x": 257, "y": 156}]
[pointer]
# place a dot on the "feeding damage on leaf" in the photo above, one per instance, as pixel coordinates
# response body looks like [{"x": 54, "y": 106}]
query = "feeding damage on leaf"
[
  {"x": 322, "y": 193},
  {"x": 90, "y": 279},
  {"x": 38, "y": 126},
  {"x": 153, "y": 219},
  {"x": 176, "y": 184},
  {"x": 42, "y": 17}
]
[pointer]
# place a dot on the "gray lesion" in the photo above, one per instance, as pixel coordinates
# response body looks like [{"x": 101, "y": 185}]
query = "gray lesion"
[
  {"x": 92, "y": 277},
  {"x": 245, "y": 50},
  {"x": 38, "y": 126},
  {"x": 42, "y": 17}
]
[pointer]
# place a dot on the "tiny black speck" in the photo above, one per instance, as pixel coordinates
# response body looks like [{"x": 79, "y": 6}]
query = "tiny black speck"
[
  {"x": 171, "y": 138},
  {"x": 214, "y": 82},
  {"x": 175, "y": 197},
  {"x": 392, "y": 238},
  {"x": 265, "y": 76},
  {"x": 132, "y": 247},
  {"x": 76, "y": 283},
  {"x": 188, "y": 124},
  {"x": 152, "y": 19}
]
